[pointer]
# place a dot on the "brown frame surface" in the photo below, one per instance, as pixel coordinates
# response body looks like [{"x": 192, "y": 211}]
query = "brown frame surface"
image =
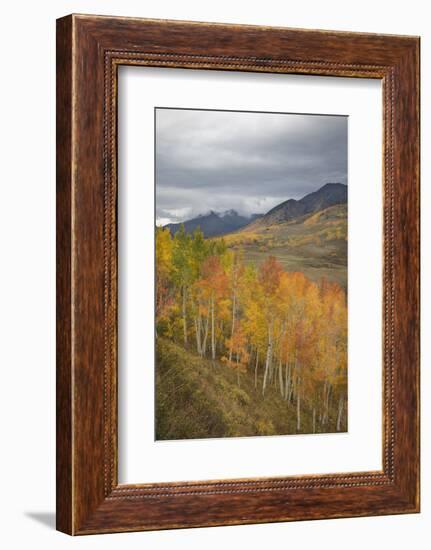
[{"x": 89, "y": 51}]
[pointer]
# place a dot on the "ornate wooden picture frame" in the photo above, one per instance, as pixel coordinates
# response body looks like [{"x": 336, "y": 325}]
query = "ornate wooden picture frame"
[{"x": 89, "y": 51}]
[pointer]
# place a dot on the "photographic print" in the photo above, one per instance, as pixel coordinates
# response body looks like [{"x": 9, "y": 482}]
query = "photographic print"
[{"x": 251, "y": 273}]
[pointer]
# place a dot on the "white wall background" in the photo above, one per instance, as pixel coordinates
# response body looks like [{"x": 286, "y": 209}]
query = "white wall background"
[{"x": 27, "y": 297}]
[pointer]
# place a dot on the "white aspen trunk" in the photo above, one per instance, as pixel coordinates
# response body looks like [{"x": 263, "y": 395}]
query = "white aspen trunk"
[
  {"x": 324, "y": 391},
  {"x": 204, "y": 345},
  {"x": 233, "y": 325},
  {"x": 280, "y": 363},
  {"x": 280, "y": 378},
  {"x": 287, "y": 385},
  {"x": 328, "y": 393},
  {"x": 268, "y": 359},
  {"x": 198, "y": 334},
  {"x": 295, "y": 379},
  {"x": 298, "y": 408},
  {"x": 340, "y": 412},
  {"x": 322, "y": 407},
  {"x": 292, "y": 385},
  {"x": 322, "y": 412},
  {"x": 291, "y": 382},
  {"x": 213, "y": 351},
  {"x": 271, "y": 369},
  {"x": 221, "y": 325},
  {"x": 255, "y": 368},
  {"x": 184, "y": 315},
  {"x": 325, "y": 407}
]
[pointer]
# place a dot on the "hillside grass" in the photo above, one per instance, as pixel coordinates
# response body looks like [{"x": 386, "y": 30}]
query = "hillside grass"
[
  {"x": 315, "y": 244},
  {"x": 199, "y": 398}
]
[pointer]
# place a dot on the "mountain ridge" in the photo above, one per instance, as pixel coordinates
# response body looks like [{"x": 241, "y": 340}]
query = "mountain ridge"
[
  {"x": 328, "y": 195},
  {"x": 216, "y": 224}
]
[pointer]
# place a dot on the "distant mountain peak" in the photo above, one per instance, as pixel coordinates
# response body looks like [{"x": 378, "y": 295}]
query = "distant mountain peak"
[
  {"x": 230, "y": 212},
  {"x": 332, "y": 184},
  {"x": 213, "y": 223},
  {"x": 328, "y": 195}
]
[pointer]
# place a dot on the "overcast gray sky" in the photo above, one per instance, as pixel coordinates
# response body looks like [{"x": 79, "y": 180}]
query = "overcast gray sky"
[{"x": 249, "y": 162}]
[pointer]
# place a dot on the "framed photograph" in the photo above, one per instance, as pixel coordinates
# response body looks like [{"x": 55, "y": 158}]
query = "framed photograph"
[{"x": 237, "y": 274}]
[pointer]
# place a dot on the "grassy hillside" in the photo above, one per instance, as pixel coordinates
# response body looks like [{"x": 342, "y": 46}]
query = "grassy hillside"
[
  {"x": 200, "y": 398},
  {"x": 315, "y": 245}
]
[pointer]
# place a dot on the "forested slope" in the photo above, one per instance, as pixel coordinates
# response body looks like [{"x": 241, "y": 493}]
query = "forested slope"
[
  {"x": 201, "y": 398},
  {"x": 314, "y": 244}
]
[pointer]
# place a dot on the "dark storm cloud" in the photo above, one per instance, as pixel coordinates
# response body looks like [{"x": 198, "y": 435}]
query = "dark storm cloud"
[{"x": 219, "y": 160}]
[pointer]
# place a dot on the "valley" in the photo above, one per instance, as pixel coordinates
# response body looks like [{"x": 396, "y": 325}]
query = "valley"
[
  {"x": 315, "y": 244},
  {"x": 307, "y": 235}
]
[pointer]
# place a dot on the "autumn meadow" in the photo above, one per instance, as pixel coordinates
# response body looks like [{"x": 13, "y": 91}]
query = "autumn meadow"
[{"x": 251, "y": 308}]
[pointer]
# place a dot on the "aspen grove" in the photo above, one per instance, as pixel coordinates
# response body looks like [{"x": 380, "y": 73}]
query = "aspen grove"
[{"x": 287, "y": 332}]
